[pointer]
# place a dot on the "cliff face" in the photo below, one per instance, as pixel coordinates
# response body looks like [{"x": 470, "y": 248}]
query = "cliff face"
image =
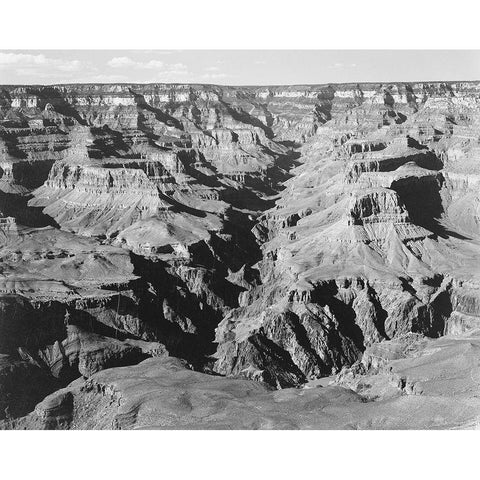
[{"x": 273, "y": 233}]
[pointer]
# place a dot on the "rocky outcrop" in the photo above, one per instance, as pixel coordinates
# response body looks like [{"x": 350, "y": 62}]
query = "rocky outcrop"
[
  {"x": 394, "y": 377},
  {"x": 361, "y": 232}
]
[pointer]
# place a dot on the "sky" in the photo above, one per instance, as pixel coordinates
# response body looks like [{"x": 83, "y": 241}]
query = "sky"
[{"x": 236, "y": 67}]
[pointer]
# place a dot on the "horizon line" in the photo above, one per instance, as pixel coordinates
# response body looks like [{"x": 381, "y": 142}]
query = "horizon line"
[{"x": 63, "y": 84}]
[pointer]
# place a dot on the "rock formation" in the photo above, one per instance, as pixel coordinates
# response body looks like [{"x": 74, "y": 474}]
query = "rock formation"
[
  {"x": 407, "y": 383},
  {"x": 277, "y": 235}
]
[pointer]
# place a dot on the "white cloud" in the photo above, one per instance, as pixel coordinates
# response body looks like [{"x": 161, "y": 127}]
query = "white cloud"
[
  {"x": 104, "y": 78},
  {"x": 121, "y": 62},
  {"x": 342, "y": 65},
  {"x": 214, "y": 76},
  {"x": 126, "y": 62},
  {"x": 22, "y": 59},
  {"x": 72, "y": 66},
  {"x": 39, "y": 65},
  {"x": 26, "y": 71},
  {"x": 177, "y": 68},
  {"x": 47, "y": 67},
  {"x": 213, "y": 73},
  {"x": 151, "y": 64}
]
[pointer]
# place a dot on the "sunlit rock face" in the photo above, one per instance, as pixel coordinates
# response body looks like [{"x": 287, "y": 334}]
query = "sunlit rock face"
[{"x": 272, "y": 233}]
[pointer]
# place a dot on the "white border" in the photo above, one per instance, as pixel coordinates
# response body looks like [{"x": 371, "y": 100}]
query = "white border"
[
  {"x": 242, "y": 24},
  {"x": 239, "y": 455},
  {"x": 245, "y": 24}
]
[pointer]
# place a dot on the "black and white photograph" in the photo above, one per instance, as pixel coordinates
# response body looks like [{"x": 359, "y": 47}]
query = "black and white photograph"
[{"x": 224, "y": 238}]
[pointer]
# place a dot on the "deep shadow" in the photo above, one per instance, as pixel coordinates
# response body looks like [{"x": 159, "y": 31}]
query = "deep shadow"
[
  {"x": 17, "y": 206},
  {"x": 243, "y": 117},
  {"x": 381, "y": 313},
  {"x": 279, "y": 368},
  {"x": 345, "y": 315},
  {"x": 180, "y": 207},
  {"x": 53, "y": 96},
  {"x": 423, "y": 201},
  {"x": 108, "y": 142},
  {"x": 167, "y": 305},
  {"x": 160, "y": 115}
]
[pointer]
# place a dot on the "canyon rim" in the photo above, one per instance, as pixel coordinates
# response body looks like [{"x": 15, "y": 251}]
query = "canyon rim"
[{"x": 189, "y": 255}]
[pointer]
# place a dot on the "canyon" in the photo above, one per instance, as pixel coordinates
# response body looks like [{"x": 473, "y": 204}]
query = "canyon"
[{"x": 203, "y": 256}]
